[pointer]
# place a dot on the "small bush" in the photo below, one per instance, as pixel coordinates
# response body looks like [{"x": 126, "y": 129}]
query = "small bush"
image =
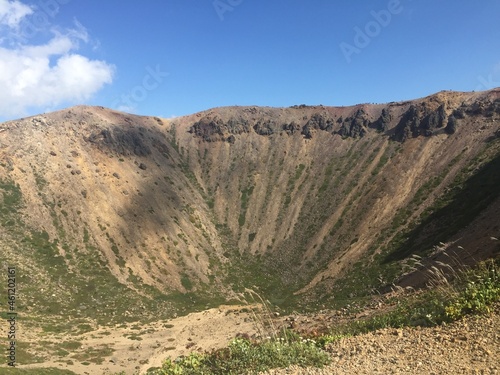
[
  {"x": 245, "y": 357},
  {"x": 481, "y": 290},
  {"x": 471, "y": 291}
]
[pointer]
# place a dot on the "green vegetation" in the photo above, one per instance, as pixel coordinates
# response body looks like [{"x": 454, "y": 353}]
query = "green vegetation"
[
  {"x": 466, "y": 198},
  {"x": 186, "y": 282},
  {"x": 467, "y": 292},
  {"x": 210, "y": 203},
  {"x": 10, "y": 204},
  {"x": 245, "y": 195},
  {"x": 477, "y": 290},
  {"x": 328, "y": 176},
  {"x": 173, "y": 138},
  {"x": 37, "y": 371},
  {"x": 25, "y": 353},
  {"x": 70, "y": 345},
  {"x": 471, "y": 190},
  {"x": 245, "y": 357},
  {"x": 291, "y": 184},
  {"x": 259, "y": 272},
  {"x": 94, "y": 355},
  {"x": 383, "y": 161}
]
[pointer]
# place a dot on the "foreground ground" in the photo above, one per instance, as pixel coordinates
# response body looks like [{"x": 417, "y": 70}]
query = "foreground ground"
[
  {"x": 133, "y": 348},
  {"x": 470, "y": 346}
]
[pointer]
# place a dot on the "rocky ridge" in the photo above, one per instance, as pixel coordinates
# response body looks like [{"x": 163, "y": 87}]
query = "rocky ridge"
[{"x": 433, "y": 115}]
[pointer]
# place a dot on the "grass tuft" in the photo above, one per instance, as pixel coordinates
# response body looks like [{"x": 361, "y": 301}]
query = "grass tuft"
[
  {"x": 452, "y": 296},
  {"x": 243, "y": 356}
]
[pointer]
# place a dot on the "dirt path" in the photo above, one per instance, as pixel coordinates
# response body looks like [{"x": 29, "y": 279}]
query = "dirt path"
[
  {"x": 134, "y": 348},
  {"x": 471, "y": 346}
]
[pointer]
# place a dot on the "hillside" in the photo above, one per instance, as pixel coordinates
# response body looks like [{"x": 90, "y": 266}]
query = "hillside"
[{"x": 111, "y": 217}]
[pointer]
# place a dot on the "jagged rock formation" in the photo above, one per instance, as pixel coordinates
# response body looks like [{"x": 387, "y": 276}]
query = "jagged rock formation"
[{"x": 427, "y": 117}]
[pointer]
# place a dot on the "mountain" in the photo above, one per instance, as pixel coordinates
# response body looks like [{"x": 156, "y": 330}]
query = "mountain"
[{"x": 119, "y": 217}]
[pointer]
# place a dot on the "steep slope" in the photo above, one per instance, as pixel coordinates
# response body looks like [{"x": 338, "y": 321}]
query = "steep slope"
[
  {"x": 100, "y": 214},
  {"x": 315, "y": 193},
  {"x": 122, "y": 215}
]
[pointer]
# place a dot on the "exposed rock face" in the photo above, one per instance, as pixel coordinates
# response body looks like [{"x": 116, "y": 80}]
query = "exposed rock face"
[
  {"x": 433, "y": 121},
  {"x": 123, "y": 141},
  {"x": 318, "y": 122},
  {"x": 216, "y": 129},
  {"x": 409, "y": 124},
  {"x": 401, "y": 121},
  {"x": 265, "y": 127},
  {"x": 291, "y": 128},
  {"x": 355, "y": 126},
  {"x": 420, "y": 120},
  {"x": 383, "y": 122},
  {"x": 451, "y": 126}
]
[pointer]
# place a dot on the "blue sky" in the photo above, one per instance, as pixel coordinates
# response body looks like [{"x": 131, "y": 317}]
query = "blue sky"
[{"x": 176, "y": 57}]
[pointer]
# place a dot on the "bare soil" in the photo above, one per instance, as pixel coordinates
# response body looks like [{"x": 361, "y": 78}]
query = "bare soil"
[
  {"x": 135, "y": 348},
  {"x": 470, "y": 346}
]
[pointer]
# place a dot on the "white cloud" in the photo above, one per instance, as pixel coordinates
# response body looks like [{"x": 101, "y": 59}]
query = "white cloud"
[
  {"x": 43, "y": 76},
  {"x": 12, "y": 12}
]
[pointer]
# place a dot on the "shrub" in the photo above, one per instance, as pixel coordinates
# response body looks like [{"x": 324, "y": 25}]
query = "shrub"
[
  {"x": 243, "y": 356},
  {"x": 481, "y": 290}
]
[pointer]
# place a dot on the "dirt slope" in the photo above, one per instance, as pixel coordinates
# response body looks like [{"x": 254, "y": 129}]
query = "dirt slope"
[{"x": 471, "y": 346}]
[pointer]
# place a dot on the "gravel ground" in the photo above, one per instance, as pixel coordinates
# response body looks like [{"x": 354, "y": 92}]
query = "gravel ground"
[{"x": 470, "y": 346}]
